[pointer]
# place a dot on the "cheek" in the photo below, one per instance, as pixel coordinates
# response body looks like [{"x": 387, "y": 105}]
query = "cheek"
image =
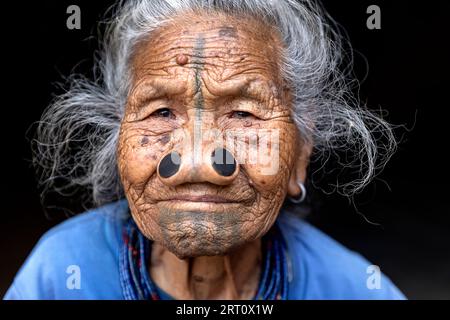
[
  {"x": 269, "y": 162},
  {"x": 138, "y": 156}
]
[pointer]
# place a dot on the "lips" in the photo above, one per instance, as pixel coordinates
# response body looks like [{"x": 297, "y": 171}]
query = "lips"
[{"x": 202, "y": 198}]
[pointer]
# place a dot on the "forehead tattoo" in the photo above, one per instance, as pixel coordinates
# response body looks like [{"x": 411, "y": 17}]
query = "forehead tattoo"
[{"x": 198, "y": 64}]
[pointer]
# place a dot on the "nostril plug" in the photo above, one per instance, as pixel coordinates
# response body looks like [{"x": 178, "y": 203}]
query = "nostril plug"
[
  {"x": 223, "y": 162},
  {"x": 169, "y": 165}
]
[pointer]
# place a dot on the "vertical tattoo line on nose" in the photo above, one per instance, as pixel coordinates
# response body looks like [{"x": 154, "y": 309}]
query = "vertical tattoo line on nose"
[{"x": 198, "y": 64}]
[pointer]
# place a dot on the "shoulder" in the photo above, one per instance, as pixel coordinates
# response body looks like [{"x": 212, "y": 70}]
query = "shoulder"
[
  {"x": 96, "y": 226},
  {"x": 85, "y": 246},
  {"x": 324, "y": 269}
]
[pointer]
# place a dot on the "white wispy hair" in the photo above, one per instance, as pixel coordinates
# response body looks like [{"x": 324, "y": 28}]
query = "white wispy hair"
[{"x": 77, "y": 136}]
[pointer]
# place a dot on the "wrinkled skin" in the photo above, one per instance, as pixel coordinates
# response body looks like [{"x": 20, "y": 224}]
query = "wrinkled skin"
[{"x": 195, "y": 74}]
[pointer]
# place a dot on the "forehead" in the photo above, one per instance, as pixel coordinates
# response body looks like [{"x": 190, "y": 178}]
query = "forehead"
[{"x": 226, "y": 46}]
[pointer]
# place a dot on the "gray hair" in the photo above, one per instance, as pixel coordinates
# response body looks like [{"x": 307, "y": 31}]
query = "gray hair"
[{"x": 77, "y": 136}]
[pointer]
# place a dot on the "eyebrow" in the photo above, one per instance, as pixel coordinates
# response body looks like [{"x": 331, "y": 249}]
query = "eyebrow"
[
  {"x": 155, "y": 89},
  {"x": 253, "y": 88}
]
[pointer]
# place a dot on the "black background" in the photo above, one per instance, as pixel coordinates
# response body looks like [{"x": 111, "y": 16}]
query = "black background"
[{"x": 407, "y": 75}]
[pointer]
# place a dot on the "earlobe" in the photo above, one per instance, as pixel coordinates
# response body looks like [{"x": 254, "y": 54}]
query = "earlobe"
[{"x": 298, "y": 173}]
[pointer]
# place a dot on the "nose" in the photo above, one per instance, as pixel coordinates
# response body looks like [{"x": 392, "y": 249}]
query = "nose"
[
  {"x": 223, "y": 162},
  {"x": 169, "y": 165},
  {"x": 217, "y": 166}
]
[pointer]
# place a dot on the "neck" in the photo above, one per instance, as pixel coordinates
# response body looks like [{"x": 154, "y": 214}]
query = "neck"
[{"x": 232, "y": 276}]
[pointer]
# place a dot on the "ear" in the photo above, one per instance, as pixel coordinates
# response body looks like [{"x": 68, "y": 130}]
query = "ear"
[{"x": 298, "y": 172}]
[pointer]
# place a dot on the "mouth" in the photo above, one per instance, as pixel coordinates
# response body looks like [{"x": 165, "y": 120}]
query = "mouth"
[{"x": 203, "y": 198}]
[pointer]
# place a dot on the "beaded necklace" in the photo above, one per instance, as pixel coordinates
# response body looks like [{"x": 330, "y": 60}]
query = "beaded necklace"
[{"x": 137, "y": 284}]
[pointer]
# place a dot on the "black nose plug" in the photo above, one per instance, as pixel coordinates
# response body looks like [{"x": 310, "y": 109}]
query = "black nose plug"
[
  {"x": 223, "y": 162},
  {"x": 169, "y": 165}
]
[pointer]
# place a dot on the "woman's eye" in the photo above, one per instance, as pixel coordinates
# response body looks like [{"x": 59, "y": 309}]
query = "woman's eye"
[
  {"x": 164, "y": 113},
  {"x": 241, "y": 114}
]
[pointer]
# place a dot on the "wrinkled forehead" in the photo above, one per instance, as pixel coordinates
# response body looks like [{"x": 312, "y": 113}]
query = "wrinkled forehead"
[{"x": 225, "y": 46}]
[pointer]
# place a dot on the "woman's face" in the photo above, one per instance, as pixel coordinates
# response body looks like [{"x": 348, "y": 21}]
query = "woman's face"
[{"x": 199, "y": 83}]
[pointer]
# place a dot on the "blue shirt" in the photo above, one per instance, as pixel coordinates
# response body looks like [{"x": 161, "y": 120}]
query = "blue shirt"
[{"x": 79, "y": 259}]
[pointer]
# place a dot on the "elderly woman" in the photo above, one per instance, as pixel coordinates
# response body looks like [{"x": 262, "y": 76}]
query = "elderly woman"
[{"x": 194, "y": 136}]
